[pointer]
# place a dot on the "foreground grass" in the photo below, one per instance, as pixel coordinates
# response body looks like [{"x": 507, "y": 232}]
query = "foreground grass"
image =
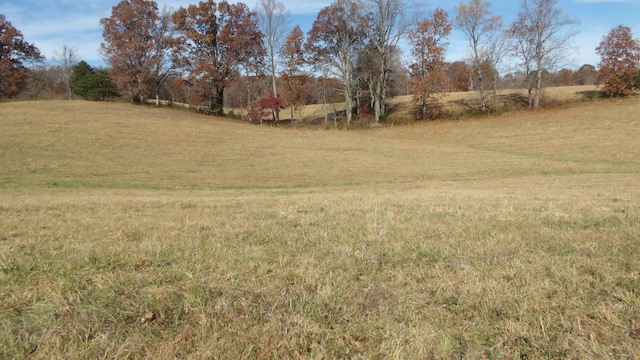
[{"x": 502, "y": 238}]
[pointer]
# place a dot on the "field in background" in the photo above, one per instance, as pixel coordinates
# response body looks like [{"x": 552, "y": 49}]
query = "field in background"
[
  {"x": 133, "y": 232},
  {"x": 456, "y": 103}
]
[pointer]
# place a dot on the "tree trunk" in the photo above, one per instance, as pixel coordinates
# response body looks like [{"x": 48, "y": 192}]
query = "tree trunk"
[
  {"x": 383, "y": 92},
  {"x": 324, "y": 102},
  {"x": 377, "y": 109},
  {"x": 348, "y": 101},
  {"x": 483, "y": 100},
  {"x": 530, "y": 90},
  {"x": 219, "y": 100},
  {"x": 371, "y": 93},
  {"x": 348, "y": 106},
  {"x": 495, "y": 91},
  {"x": 536, "y": 103},
  {"x": 274, "y": 87}
]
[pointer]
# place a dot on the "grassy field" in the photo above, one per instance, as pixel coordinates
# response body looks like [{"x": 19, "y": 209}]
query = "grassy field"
[
  {"x": 455, "y": 104},
  {"x": 136, "y": 232}
]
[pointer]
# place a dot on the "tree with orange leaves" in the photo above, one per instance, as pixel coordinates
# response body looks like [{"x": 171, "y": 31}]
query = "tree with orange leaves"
[
  {"x": 619, "y": 57},
  {"x": 293, "y": 74},
  {"x": 221, "y": 40},
  {"x": 15, "y": 55},
  {"x": 428, "y": 72},
  {"x": 138, "y": 43}
]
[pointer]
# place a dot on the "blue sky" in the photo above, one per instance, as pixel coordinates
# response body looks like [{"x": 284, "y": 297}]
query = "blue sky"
[{"x": 50, "y": 24}]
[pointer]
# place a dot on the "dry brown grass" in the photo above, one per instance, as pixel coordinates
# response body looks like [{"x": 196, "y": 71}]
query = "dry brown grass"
[
  {"x": 503, "y": 237},
  {"x": 456, "y": 104}
]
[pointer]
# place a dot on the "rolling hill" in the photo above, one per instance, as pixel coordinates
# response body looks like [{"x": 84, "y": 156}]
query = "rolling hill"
[{"x": 140, "y": 232}]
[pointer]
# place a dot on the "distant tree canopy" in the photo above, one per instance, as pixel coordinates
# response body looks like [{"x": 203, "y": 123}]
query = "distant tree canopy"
[
  {"x": 15, "y": 56},
  {"x": 217, "y": 54},
  {"x": 586, "y": 75},
  {"x": 92, "y": 84},
  {"x": 620, "y": 54},
  {"x": 215, "y": 46}
]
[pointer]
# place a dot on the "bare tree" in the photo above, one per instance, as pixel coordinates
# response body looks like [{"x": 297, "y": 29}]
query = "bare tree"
[
  {"x": 479, "y": 26},
  {"x": 39, "y": 80},
  {"x": 388, "y": 23},
  {"x": 166, "y": 45},
  {"x": 67, "y": 58},
  {"x": 333, "y": 43},
  {"x": 496, "y": 52},
  {"x": 273, "y": 23},
  {"x": 542, "y": 25},
  {"x": 520, "y": 46}
]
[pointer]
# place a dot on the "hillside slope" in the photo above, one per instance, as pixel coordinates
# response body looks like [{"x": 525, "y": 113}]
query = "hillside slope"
[
  {"x": 137, "y": 232},
  {"x": 117, "y": 145}
]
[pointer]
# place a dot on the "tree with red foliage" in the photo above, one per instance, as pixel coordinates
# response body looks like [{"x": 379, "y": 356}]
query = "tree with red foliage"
[
  {"x": 271, "y": 105},
  {"x": 254, "y": 114},
  {"x": 267, "y": 106},
  {"x": 15, "y": 55},
  {"x": 619, "y": 53},
  {"x": 221, "y": 39}
]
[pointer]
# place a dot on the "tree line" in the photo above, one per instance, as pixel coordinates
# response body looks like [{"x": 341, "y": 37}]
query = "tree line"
[{"x": 219, "y": 54}]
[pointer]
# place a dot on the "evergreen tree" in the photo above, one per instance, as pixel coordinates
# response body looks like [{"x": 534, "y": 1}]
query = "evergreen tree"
[{"x": 92, "y": 84}]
